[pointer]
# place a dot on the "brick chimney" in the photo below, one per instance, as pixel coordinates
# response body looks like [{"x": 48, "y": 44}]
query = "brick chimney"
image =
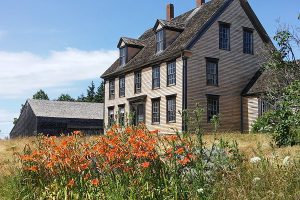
[
  {"x": 170, "y": 12},
  {"x": 200, "y": 2}
]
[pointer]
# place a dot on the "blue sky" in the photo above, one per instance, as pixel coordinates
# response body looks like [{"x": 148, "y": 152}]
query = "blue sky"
[{"x": 62, "y": 45}]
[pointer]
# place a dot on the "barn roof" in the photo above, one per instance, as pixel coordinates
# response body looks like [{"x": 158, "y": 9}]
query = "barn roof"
[{"x": 63, "y": 109}]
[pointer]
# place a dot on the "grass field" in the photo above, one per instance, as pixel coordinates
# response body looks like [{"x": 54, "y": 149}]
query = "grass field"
[{"x": 274, "y": 180}]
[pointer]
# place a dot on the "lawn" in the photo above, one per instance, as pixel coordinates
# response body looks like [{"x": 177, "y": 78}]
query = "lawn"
[{"x": 274, "y": 176}]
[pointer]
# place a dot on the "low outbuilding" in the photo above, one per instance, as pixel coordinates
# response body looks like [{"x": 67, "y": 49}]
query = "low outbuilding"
[{"x": 54, "y": 118}]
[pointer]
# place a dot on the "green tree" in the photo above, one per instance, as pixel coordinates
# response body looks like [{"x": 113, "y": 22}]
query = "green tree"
[
  {"x": 91, "y": 93},
  {"x": 81, "y": 98},
  {"x": 65, "y": 97},
  {"x": 40, "y": 95},
  {"x": 99, "y": 97}
]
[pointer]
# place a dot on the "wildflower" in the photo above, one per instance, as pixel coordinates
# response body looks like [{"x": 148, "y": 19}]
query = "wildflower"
[
  {"x": 200, "y": 191},
  {"x": 95, "y": 182},
  {"x": 179, "y": 151},
  {"x": 145, "y": 164},
  {"x": 33, "y": 168},
  {"x": 255, "y": 160},
  {"x": 256, "y": 179},
  {"x": 71, "y": 182},
  {"x": 286, "y": 161},
  {"x": 184, "y": 161},
  {"x": 76, "y": 132}
]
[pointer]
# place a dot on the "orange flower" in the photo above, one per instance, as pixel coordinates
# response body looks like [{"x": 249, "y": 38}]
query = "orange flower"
[
  {"x": 84, "y": 166},
  {"x": 95, "y": 182},
  {"x": 71, "y": 182},
  {"x": 184, "y": 161},
  {"x": 87, "y": 176},
  {"x": 33, "y": 168},
  {"x": 145, "y": 164},
  {"x": 76, "y": 133},
  {"x": 179, "y": 151}
]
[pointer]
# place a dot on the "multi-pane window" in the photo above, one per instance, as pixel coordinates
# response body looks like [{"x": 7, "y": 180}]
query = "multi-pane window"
[
  {"x": 224, "y": 36},
  {"x": 171, "y": 73},
  {"x": 155, "y": 77},
  {"x": 122, "y": 86},
  {"x": 212, "y": 106},
  {"x": 248, "y": 41},
  {"x": 111, "y": 117},
  {"x": 160, "y": 41},
  {"x": 123, "y": 56},
  {"x": 156, "y": 111},
  {"x": 212, "y": 72},
  {"x": 122, "y": 115},
  {"x": 111, "y": 89},
  {"x": 138, "y": 82},
  {"x": 263, "y": 106},
  {"x": 171, "y": 109}
]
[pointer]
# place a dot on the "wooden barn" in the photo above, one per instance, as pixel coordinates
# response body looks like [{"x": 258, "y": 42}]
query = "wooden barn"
[{"x": 57, "y": 117}]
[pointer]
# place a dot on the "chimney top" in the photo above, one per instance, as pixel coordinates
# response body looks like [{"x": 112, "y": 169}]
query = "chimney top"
[
  {"x": 199, "y": 3},
  {"x": 170, "y": 12}
]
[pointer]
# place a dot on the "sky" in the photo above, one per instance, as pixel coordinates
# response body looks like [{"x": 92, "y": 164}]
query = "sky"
[{"x": 60, "y": 46}]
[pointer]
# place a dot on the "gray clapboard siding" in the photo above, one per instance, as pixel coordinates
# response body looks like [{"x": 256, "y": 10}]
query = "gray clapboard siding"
[{"x": 235, "y": 68}]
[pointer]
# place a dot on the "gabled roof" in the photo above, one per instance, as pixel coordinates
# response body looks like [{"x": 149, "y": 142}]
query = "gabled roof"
[
  {"x": 69, "y": 110},
  {"x": 171, "y": 25},
  {"x": 195, "y": 23},
  {"x": 131, "y": 42}
]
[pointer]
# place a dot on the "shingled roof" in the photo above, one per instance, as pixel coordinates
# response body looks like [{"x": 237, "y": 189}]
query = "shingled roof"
[
  {"x": 69, "y": 110},
  {"x": 193, "y": 23}
]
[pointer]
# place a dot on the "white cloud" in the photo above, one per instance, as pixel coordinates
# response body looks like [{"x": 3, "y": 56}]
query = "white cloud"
[{"x": 25, "y": 72}]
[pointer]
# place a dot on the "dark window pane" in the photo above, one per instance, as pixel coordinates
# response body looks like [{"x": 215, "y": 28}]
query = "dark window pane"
[
  {"x": 248, "y": 41},
  {"x": 156, "y": 77},
  {"x": 111, "y": 117},
  {"x": 121, "y": 115},
  {"x": 112, "y": 89},
  {"x": 224, "y": 36},
  {"x": 171, "y": 109},
  {"x": 122, "y": 86},
  {"x": 212, "y": 72},
  {"x": 159, "y": 41},
  {"x": 212, "y": 106},
  {"x": 138, "y": 82},
  {"x": 156, "y": 111},
  {"x": 171, "y": 73},
  {"x": 122, "y": 56}
]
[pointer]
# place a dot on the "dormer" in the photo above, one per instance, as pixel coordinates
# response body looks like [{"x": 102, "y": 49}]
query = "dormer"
[
  {"x": 167, "y": 31},
  {"x": 128, "y": 49}
]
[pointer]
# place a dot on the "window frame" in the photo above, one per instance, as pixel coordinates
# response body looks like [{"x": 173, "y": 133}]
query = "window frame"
[
  {"x": 263, "y": 107},
  {"x": 138, "y": 90},
  {"x": 112, "y": 92},
  {"x": 123, "y": 56},
  {"x": 211, "y": 97},
  {"x": 155, "y": 78},
  {"x": 122, "y": 90},
  {"x": 121, "y": 115},
  {"x": 111, "y": 117},
  {"x": 250, "y": 31},
  {"x": 169, "y": 98},
  {"x": 216, "y": 75},
  {"x": 153, "y": 101},
  {"x": 222, "y": 26},
  {"x": 160, "y": 40},
  {"x": 169, "y": 64}
]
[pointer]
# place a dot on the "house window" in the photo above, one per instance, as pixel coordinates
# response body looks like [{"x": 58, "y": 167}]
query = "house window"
[
  {"x": 224, "y": 36},
  {"x": 123, "y": 56},
  {"x": 212, "y": 72},
  {"x": 155, "y": 111},
  {"x": 248, "y": 41},
  {"x": 160, "y": 41},
  {"x": 111, "y": 117},
  {"x": 155, "y": 77},
  {"x": 171, "y": 109},
  {"x": 122, "y": 86},
  {"x": 138, "y": 82},
  {"x": 263, "y": 107},
  {"x": 111, "y": 89},
  {"x": 171, "y": 73},
  {"x": 122, "y": 115},
  {"x": 212, "y": 106}
]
